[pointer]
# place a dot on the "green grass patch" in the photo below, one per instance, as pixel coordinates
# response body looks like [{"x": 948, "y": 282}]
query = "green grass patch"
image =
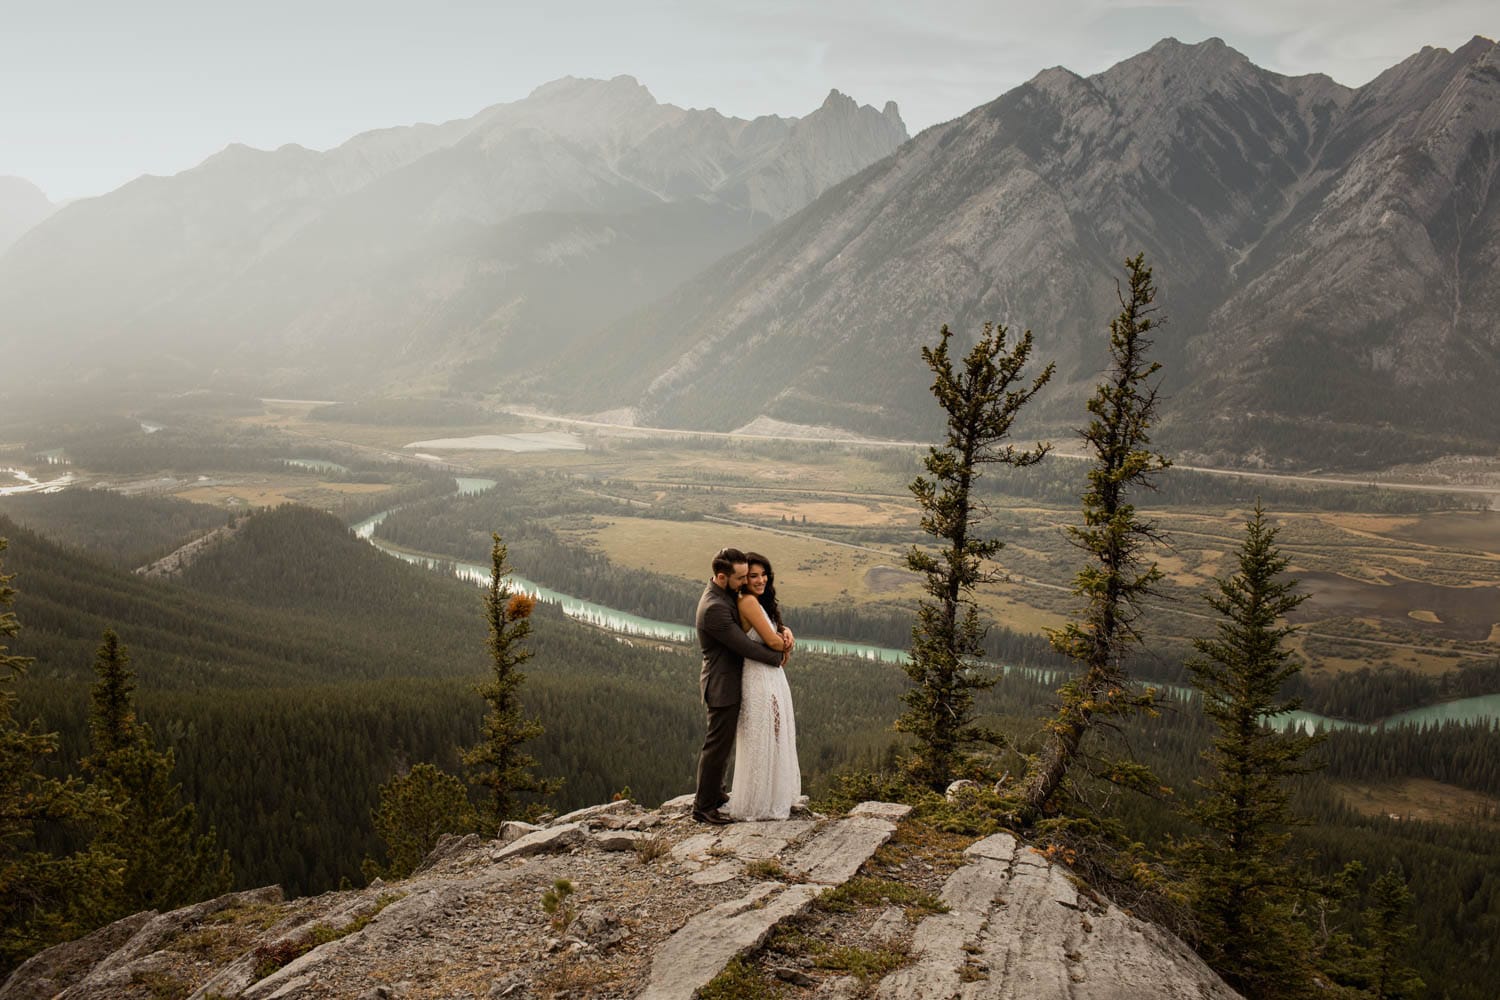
[
  {"x": 863, "y": 891},
  {"x": 256, "y": 916},
  {"x": 740, "y": 980},
  {"x": 767, "y": 868},
  {"x": 866, "y": 964}
]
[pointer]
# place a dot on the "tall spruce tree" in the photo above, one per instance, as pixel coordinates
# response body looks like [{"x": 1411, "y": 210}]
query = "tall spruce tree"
[
  {"x": 1113, "y": 538},
  {"x": 1244, "y": 889},
  {"x": 112, "y": 725},
  {"x": 980, "y": 400},
  {"x": 167, "y": 861},
  {"x": 497, "y": 763},
  {"x": 44, "y": 898},
  {"x": 1383, "y": 972}
]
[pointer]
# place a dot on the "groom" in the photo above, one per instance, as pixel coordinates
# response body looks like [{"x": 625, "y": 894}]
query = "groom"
[{"x": 725, "y": 648}]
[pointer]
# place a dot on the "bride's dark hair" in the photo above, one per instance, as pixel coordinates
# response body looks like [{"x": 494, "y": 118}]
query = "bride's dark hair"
[{"x": 768, "y": 599}]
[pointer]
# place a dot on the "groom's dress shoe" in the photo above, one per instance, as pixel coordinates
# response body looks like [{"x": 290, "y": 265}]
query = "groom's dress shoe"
[{"x": 714, "y": 818}]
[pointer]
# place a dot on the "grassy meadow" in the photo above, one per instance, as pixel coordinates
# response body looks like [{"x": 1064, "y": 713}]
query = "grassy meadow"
[{"x": 1418, "y": 590}]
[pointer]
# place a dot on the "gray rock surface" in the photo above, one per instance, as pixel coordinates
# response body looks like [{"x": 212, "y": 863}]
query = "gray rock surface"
[
  {"x": 44, "y": 974},
  {"x": 135, "y": 955},
  {"x": 513, "y": 830},
  {"x": 1019, "y": 929},
  {"x": 679, "y": 806},
  {"x": 589, "y": 813},
  {"x": 893, "y": 811},
  {"x": 618, "y": 840},
  {"x": 548, "y": 840},
  {"x": 447, "y": 846},
  {"x": 837, "y": 852}
]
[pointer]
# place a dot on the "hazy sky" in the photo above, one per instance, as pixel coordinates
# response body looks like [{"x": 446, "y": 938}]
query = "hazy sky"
[{"x": 95, "y": 93}]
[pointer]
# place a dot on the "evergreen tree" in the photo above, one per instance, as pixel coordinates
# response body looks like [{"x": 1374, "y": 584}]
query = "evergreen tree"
[
  {"x": 497, "y": 763},
  {"x": 44, "y": 898},
  {"x": 112, "y": 725},
  {"x": 416, "y": 808},
  {"x": 981, "y": 401},
  {"x": 1388, "y": 933},
  {"x": 167, "y": 862},
  {"x": 1112, "y": 538},
  {"x": 1243, "y": 887}
]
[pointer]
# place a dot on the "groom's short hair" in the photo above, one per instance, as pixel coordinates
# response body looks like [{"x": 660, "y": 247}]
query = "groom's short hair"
[{"x": 726, "y": 559}]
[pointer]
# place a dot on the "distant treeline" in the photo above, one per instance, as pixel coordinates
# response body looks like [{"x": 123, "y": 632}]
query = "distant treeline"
[
  {"x": 1367, "y": 695},
  {"x": 1462, "y": 754},
  {"x": 1057, "y": 480}
]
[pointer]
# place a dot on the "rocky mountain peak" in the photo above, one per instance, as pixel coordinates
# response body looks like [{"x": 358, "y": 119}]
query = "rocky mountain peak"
[
  {"x": 1176, "y": 71},
  {"x": 655, "y": 908},
  {"x": 836, "y": 101},
  {"x": 570, "y": 88}
]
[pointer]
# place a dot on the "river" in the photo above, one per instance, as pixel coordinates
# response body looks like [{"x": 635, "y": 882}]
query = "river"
[
  {"x": 1484, "y": 707},
  {"x": 27, "y": 483}
]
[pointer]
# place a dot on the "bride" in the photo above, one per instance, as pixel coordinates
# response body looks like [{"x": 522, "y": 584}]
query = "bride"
[{"x": 767, "y": 780}]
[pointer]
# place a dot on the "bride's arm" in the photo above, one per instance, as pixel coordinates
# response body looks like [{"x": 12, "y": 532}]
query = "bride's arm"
[{"x": 755, "y": 616}]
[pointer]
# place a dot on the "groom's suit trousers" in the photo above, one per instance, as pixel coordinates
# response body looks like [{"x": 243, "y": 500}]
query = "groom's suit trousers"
[{"x": 713, "y": 761}]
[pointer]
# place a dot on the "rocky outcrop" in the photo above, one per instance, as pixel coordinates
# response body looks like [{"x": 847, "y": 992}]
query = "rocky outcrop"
[
  {"x": 1021, "y": 928},
  {"x": 659, "y": 915},
  {"x": 179, "y": 559}
]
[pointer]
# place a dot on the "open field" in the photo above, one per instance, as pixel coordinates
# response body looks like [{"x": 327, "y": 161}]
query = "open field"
[
  {"x": 1393, "y": 600},
  {"x": 845, "y": 513},
  {"x": 1418, "y": 590},
  {"x": 1420, "y": 799},
  {"x": 808, "y": 570}
]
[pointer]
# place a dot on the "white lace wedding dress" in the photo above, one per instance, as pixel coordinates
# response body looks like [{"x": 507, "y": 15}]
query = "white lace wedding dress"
[{"x": 767, "y": 780}]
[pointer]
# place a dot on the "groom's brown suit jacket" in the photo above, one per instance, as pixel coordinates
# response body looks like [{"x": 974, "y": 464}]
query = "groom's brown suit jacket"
[{"x": 725, "y": 647}]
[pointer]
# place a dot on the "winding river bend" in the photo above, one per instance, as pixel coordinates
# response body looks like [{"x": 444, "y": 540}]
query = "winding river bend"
[{"x": 1482, "y": 708}]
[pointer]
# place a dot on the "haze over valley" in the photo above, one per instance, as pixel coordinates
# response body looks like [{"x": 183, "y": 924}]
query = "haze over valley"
[{"x": 267, "y": 419}]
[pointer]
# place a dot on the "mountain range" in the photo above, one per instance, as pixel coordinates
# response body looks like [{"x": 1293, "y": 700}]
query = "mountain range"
[
  {"x": 425, "y": 253},
  {"x": 1326, "y": 257}
]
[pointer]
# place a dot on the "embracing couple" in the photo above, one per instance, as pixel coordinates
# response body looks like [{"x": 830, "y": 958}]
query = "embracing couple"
[{"x": 745, "y": 646}]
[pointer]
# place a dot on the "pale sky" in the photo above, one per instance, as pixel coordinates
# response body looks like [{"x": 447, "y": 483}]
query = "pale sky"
[{"x": 96, "y": 92}]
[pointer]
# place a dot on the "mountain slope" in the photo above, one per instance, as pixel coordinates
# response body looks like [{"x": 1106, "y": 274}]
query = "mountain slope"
[
  {"x": 245, "y": 618},
  {"x": 1304, "y": 234},
  {"x": 406, "y": 254},
  {"x": 22, "y": 206}
]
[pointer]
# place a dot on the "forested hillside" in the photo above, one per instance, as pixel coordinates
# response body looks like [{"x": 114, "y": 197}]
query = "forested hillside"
[
  {"x": 125, "y": 532},
  {"x": 296, "y": 669}
]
